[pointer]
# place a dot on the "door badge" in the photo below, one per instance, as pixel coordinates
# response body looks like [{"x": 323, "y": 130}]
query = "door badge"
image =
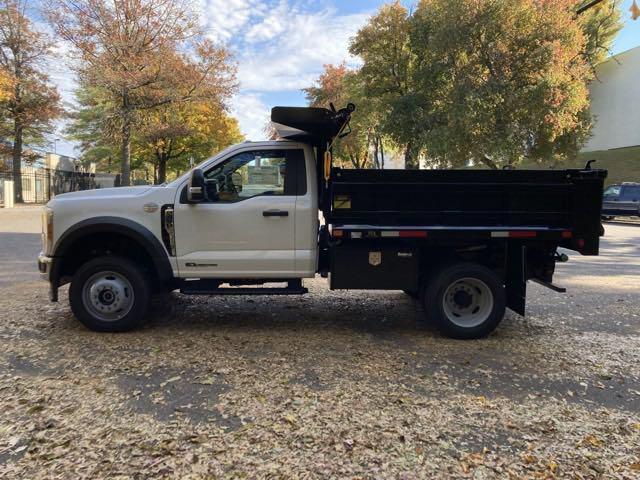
[{"x": 375, "y": 258}]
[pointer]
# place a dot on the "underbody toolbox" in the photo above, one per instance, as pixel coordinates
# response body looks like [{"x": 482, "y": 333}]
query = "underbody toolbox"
[{"x": 374, "y": 268}]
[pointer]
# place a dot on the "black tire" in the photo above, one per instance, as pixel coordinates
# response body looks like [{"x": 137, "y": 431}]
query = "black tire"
[
  {"x": 137, "y": 292},
  {"x": 481, "y": 312}
]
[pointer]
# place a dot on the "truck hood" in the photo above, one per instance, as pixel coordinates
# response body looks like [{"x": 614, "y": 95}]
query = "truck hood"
[{"x": 107, "y": 193}]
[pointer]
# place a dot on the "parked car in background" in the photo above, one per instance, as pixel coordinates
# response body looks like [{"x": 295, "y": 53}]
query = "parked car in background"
[{"x": 622, "y": 200}]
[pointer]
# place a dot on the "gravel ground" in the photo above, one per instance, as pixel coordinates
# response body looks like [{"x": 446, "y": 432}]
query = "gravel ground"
[
  {"x": 329, "y": 385},
  {"x": 19, "y": 244}
]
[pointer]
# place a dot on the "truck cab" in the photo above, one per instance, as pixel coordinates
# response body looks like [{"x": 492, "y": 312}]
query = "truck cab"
[
  {"x": 258, "y": 215},
  {"x": 248, "y": 222},
  {"x": 257, "y": 218}
]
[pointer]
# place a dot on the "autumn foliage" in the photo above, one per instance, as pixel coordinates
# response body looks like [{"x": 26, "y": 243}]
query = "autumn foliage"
[
  {"x": 142, "y": 57},
  {"x": 28, "y": 101},
  {"x": 477, "y": 82},
  {"x": 463, "y": 83}
]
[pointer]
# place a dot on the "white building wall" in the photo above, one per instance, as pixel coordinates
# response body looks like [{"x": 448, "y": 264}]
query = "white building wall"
[
  {"x": 60, "y": 162},
  {"x": 615, "y": 97},
  {"x": 393, "y": 160}
]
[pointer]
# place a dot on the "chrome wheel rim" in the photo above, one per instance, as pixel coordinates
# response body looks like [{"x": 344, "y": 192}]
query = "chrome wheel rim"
[
  {"x": 468, "y": 302},
  {"x": 108, "y": 296}
]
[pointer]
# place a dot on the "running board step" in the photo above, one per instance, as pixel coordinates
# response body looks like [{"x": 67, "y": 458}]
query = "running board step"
[
  {"x": 197, "y": 288},
  {"x": 245, "y": 291}
]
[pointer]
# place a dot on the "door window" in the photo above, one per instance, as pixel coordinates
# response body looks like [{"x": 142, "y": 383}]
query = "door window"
[
  {"x": 256, "y": 173},
  {"x": 612, "y": 191},
  {"x": 631, "y": 193}
]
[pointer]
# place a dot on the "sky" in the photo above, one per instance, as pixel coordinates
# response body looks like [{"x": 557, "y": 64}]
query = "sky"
[{"x": 280, "y": 47}]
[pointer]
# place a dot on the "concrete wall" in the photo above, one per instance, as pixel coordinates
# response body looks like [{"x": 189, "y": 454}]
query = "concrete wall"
[
  {"x": 393, "y": 160},
  {"x": 66, "y": 164},
  {"x": 614, "y": 103}
]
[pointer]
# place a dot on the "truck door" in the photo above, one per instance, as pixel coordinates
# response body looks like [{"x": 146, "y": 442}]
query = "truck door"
[
  {"x": 611, "y": 200},
  {"x": 630, "y": 200},
  {"x": 246, "y": 226}
]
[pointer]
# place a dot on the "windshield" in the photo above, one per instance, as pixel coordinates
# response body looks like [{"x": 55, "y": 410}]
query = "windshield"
[{"x": 182, "y": 178}]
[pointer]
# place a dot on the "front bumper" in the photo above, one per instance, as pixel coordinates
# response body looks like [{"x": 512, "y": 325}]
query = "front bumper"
[{"x": 45, "y": 266}]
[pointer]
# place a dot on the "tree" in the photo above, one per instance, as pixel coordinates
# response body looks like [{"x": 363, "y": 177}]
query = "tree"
[
  {"x": 385, "y": 48},
  {"x": 175, "y": 133},
  {"x": 31, "y": 103},
  {"x": 6, "y": 85},
  {"x": 94, "y": 126},
  {"x": 331, "y": 89},
  {"x": 508, "y": 79},
  {"x": 601, "y": 25},
  {"x": 145, "y": 54},
  {"x": 165, "y": 137},
  {"x": 484, "y": 81},
  {"x": 338, "y": 85}
]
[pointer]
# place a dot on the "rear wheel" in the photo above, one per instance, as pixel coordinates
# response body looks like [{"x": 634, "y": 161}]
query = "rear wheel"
[
  {"x": 109, "y": 294},
  {"x": 465, "y": 300}
]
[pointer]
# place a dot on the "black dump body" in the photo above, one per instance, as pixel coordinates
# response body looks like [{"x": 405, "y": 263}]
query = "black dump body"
[
  {"x": 562, "y": 207},
  {"x": 537, "y": 200}
]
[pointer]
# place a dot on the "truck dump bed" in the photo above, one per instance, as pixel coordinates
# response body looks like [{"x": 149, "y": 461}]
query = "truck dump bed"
[{"x": 567, "y": 201}]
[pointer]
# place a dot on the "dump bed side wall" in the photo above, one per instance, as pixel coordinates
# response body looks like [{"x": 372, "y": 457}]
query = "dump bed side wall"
[{"x": 566, "y": 199}]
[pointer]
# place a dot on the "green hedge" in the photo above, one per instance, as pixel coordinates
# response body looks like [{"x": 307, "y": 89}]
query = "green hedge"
[{"x": 623, "y": 163}]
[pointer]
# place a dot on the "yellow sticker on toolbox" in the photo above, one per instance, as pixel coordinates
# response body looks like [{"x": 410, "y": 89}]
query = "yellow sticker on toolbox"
[{"x": 342, "y": 202}]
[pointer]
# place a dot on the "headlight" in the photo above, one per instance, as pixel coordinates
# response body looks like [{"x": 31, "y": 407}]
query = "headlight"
[{"x": 47, "y": 230}]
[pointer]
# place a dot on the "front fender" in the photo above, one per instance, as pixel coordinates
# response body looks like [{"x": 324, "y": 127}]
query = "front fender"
[{"x": 121, "y": 226}]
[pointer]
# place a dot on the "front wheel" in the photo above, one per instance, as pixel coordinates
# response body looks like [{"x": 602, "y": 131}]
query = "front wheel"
[
  {"x": 465, "y": 300},
  {"x": 109, "y": 294}
]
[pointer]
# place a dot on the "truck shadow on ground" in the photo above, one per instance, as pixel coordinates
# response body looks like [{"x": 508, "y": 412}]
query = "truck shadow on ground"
[
  {"x": 388, "y": 312},
  {"x": 196, "y": 350},
  {"x": 512, "y": 363}
]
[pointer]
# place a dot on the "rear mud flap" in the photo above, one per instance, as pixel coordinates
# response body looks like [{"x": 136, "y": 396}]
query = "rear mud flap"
[{"x": 515, "y": 281}]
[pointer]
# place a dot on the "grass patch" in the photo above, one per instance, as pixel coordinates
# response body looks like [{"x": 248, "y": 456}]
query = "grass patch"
[{"x": 623, "y": 164}]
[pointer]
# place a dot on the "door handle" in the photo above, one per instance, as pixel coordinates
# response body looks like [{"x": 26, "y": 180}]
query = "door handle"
[{"x": 275, "y": 213}]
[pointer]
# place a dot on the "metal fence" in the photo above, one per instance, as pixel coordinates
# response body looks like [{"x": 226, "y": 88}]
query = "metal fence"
[{"x": 39, "y": 185}]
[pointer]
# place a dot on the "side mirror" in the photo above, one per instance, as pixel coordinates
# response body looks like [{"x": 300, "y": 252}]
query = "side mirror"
[{"x": 196, "y": 189}]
